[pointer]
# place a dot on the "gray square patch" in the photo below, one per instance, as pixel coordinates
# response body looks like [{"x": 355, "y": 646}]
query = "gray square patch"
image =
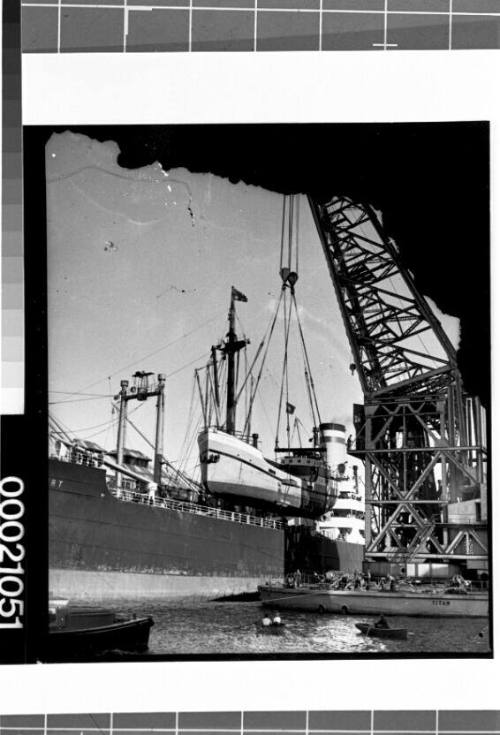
[
  {"x": 287, "y": 31},
  {"x": 418, "y": 32},
  {"x": 158, "y": 30},
  {"x": 352, "y": 31},
  {"x": 39, "y": 30},
  {"x": 91, "y": 29},
  {"x": 222, "y": 30},
  {"x": 476, "y": 32}
]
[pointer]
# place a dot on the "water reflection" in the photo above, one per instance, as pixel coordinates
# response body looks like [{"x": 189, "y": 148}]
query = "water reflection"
[{"x": 212, "y": 628}]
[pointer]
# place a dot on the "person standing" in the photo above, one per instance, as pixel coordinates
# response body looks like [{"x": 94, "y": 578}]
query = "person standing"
[{"x": 152, "y": 488}]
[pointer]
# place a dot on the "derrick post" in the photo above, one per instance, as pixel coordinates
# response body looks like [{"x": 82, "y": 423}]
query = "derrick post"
[
  {"x": 122, "y": 428},
  {"x": 160, "y": 424}
]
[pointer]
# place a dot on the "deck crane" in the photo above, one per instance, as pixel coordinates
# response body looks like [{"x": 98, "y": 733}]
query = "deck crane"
[{"x": 421, "y": 438}]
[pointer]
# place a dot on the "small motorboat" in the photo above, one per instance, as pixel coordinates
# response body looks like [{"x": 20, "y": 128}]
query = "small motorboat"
[
  {"x": 371, "y": 630},
  {"x": 84, "y": 631}
]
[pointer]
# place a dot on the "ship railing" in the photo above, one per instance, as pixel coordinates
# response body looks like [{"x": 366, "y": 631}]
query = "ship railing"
[
  {"x": 79, "y": 456},
  {"x": 251, "y": 439},
  {"x": 132, "y": 496}
]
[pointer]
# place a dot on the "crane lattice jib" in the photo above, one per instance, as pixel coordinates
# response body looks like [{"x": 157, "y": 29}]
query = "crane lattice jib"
[{"x": 387, "y": 321}]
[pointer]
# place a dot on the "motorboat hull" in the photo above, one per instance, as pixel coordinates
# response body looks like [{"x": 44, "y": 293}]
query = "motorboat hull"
[
  {"x": 234, "y": 468},
  {"x": 80, "y": 632},
  {"x": 374, "y": 632}
]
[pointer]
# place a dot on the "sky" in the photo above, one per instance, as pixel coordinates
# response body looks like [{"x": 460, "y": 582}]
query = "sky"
[{"x": 140, "y": 267}]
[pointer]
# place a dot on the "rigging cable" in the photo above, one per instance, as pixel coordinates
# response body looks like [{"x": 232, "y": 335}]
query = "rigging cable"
[
  {"x": 291, "y": 201},
  {"x": 283, "y": 213},
  {"x": 307, "y": 366},
  {"x": 256, "y": 357},
  {"x": 257, "y": 381},
  {"x": 79, "y": 400},
  {"x": 284, "y": 374},
  {"x": 150, "y": 354},
  {"x": 190, "y": 415},
  {"x": 177, "y": 472},
  {"x": 297, "y": 223}
]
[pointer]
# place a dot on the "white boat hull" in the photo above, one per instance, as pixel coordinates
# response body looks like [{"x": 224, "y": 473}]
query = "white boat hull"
[
  {"x": 232, "y": 467},
  {"x": 370, "y": 602}
]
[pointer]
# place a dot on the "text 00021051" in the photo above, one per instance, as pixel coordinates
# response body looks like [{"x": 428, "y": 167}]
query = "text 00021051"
[{"x": 12, "y": 553}]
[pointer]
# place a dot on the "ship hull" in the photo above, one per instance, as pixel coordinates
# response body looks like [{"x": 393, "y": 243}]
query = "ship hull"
[
  {"x": 375, "y": 603},
  {"x": 77, "y": 584},
  {"x": 310, "y": 551},
  {"x": 104, "y": 548}
]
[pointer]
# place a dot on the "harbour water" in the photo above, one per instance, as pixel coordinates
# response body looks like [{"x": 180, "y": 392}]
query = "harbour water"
[{"x": 212, "y": 628}]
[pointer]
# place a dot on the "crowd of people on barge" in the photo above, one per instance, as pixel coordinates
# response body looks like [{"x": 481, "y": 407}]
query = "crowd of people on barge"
[{"x": 363, "y": 581}]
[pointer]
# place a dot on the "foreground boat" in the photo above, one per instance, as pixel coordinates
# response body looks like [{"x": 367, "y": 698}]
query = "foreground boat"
[
  {"x": 372, "y": 630},
  {"x": 435, "y": 603},
  {"x": 273, "y": 629},
  {"x": 89, "y": 631}
]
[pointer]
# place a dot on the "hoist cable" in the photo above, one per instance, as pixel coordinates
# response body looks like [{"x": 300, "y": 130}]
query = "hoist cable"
[
  {"x": 307, "y": 363},
  {"x": 264, "y": 356},
  {"x": 284, "y": 375},
  {"x": 290, "y": 230},
  {"x": 282, "y": 231},
  {"x": 297, "y": 223}
]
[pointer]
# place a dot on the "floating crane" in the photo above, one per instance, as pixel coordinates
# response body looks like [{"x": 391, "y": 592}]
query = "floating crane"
[{"x": 421, "y": 438}]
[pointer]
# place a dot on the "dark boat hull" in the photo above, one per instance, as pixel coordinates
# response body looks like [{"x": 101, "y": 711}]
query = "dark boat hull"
[
  {"x": 371, "y": 630},
  {"x": 127, "y": 636},
  {"x": 274, "y": 629},
  {"x": 103, "y": 548}
]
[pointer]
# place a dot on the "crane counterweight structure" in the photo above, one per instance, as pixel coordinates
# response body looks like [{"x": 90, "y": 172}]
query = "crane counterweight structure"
[{"x": 421, "y": 438}]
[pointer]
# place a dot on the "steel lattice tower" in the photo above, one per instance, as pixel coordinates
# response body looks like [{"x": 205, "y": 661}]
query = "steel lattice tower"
[{"x": 422, "y": 440}]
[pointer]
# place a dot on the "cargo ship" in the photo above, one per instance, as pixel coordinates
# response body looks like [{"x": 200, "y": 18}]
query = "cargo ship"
[
  {"x": 120, "y": 529},
  {"x": 106, "y": 543}
]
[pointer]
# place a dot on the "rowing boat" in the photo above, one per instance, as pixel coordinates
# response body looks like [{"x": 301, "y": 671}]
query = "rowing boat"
[{"x": 371, "y": 630}]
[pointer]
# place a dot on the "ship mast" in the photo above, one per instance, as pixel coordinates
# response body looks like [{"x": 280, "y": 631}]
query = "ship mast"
[{"x": 230, "y": 348}]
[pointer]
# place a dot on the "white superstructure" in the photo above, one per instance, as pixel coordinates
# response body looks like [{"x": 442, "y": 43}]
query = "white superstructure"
[{"x": 346, "y": 521}]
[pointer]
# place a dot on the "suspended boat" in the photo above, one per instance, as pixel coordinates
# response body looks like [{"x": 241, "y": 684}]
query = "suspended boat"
[
  {"x": 301, "y": 484},
  {"x": 300, "y": 480}
]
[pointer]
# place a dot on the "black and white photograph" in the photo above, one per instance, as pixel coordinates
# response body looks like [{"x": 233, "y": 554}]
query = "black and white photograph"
[{"x": 268, "y": 389}]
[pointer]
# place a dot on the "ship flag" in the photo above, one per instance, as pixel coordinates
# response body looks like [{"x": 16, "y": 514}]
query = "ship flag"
[
  {"x": 290, "y": 408},
  {"x": 237, "y": 295}
]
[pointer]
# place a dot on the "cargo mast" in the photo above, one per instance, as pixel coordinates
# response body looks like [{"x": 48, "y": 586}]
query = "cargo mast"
[
  {"x": 142, "y": 389},
  {"x": 230, "y": 348},
  {"x": 421, "y": 438}
]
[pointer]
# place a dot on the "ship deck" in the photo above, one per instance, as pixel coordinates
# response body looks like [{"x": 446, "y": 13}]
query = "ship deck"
[{"x": 130, "y": 496}]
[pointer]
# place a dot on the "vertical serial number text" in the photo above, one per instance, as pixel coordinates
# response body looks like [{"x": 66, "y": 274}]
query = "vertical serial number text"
[{"x": 12, "y": 553}]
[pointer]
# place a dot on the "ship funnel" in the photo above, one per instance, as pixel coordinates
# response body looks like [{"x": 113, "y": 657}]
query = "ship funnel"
[{"x": 332, "y": 438}]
